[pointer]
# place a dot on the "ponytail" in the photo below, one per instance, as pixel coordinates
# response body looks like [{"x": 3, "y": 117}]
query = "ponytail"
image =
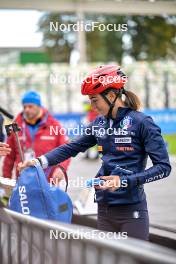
[{"x": 131, "y": 100}]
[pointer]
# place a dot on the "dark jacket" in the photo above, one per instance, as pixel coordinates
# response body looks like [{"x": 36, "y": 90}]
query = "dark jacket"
[{"x": 134, "y": 137}]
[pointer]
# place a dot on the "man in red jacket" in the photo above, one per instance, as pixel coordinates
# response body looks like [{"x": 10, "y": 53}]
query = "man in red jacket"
[{"x": 35, "y": 136}]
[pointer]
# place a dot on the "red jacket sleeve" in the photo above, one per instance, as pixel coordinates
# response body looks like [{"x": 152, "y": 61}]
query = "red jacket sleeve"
[
  {"x": 61, "y": 140},
  {"x": 9, "y": 160}
]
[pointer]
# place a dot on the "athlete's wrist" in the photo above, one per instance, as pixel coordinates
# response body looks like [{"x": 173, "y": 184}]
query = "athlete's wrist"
[{"x": 42, "y": 161}]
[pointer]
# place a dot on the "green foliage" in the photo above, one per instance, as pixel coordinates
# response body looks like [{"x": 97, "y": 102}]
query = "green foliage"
[
  {"x": 147, "y": 38},
  {"x": 105, "y": 45},
  {"x": 58, "y": 44},
  {"x": 171, "y": 141},
  {"x": 152, "y": 37}
]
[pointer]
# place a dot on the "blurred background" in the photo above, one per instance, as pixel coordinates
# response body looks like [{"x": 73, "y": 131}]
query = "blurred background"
[
  {"x": 35, "y": 56},
  {"x": 54, "y": 62}
]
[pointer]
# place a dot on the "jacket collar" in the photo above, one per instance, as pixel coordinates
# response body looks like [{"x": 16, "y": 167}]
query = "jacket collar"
[
  {"x": 44, "y": 118},
  {"x": 121, "y": 113}
]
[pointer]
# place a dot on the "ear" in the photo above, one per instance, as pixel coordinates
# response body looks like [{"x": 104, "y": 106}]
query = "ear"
[{"x": 111, "y": 96}]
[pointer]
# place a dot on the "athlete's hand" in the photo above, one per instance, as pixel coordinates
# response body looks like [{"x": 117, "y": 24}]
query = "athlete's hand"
[
  {"x": 25, "y": 164},
  {"x": 4, "y": 149},
  {"x": 112, "y": 183}
]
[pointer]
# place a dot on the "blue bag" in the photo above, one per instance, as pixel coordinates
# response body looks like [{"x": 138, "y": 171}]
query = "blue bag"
[{"x": 34, "y": 196}]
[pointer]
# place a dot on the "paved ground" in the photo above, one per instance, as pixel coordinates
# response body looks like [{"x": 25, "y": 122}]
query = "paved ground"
[{"x": 161, "y": 194}]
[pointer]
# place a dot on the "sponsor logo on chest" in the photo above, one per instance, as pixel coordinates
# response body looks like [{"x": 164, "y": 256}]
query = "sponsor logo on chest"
[
  {"x": 123, "y": 140},
  {"x": 127, "y": 122},
  {"x": 125, "y": 149}
]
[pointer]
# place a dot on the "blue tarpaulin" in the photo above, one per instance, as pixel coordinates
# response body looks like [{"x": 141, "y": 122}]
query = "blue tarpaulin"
[{"x": 166, "y": 120}]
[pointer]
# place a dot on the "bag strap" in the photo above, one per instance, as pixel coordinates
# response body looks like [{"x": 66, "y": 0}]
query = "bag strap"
[
  {"x": 40, "y": 179},
  {"x": 64, "y": 172},
  {"x": 65, "y": 176}
]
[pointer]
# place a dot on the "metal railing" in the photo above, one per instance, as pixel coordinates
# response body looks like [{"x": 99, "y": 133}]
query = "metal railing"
[
  {"x": 160, "y": 235},
  {"x": 164, "y": 228},
  {"x": 30, "y": 240}
]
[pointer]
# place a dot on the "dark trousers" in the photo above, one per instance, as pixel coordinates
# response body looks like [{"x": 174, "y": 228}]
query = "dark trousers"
[{"x": 121, "y": 219}]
